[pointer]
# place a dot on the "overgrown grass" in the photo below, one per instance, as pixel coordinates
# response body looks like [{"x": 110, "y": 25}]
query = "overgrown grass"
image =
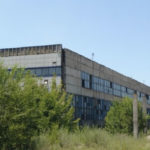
[{"x": 90, "y": 139}]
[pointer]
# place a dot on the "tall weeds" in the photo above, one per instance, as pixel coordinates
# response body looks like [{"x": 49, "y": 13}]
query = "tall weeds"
[{"x": 90, "y": 139}]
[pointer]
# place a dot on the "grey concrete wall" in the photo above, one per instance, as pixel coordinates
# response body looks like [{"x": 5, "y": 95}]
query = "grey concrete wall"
[{"x": 75, "y": 63}]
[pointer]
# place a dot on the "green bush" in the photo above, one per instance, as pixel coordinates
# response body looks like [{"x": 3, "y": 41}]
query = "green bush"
[{"x": 119, "y": 119}]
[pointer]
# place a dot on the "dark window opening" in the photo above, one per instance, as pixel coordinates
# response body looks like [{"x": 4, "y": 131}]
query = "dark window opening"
[
  {"x": 83, "y": 83},
  {"x": 111, "y": 85}
]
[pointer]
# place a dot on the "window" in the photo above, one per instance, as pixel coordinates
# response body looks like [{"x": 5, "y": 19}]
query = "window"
[
  {"x": 111, "y": 85},
  {"x": 45, "y": 72},
  {"x": 98, "y": 84},
  {"x": 116, "y": 89},
  {"x": 32, "y": 71},
  {"x": 52, "y": 71},
  {"x": 148, "y": 99},
  {"x": 107, "y": 83},
  {"x": 123, "y": 89},
  {"x": 58, "y": 71},
  {"x": 148, "y": 111},
  {"x": 139, "y": 95},
  {"x": 85, "y": 77},
  {"x": 129, "y": 91},
  {"x": 38, "y": 72}
]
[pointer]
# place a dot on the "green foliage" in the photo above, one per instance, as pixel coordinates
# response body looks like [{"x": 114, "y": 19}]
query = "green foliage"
[
  {"x": 119, "y": 119},
  {"x": 28, "y": 109},
  {"x": 57, "y": 108}
]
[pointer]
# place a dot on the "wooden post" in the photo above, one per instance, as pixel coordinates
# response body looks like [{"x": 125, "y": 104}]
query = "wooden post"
[{"x": 135, "y": 115}]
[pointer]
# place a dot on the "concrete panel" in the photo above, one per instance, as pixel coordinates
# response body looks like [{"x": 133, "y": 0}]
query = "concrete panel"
[
  {"x": 73, "y": 72},
  {"x": 73, "y": 89},
  {"x": 87, "y": 92},
  {"x": 74, "y": 81},
  {"x": 28, "y": 61}
]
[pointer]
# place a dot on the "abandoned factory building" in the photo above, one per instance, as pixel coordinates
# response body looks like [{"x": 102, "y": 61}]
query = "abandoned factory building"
[{"x": 93, "y": 85}]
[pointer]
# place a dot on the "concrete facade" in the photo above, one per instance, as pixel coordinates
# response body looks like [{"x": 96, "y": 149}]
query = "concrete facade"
[
  {"x": 93, "y": 85},
  {"x": 34, "y": 57},
  {"x": 75, "y": 64}
]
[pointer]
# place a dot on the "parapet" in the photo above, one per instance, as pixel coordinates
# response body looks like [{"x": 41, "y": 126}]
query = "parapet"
[{"x": 34, "y": 50}]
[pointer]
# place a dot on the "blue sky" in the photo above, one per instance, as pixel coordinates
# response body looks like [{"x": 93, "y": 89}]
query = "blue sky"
[{"x": 117, "y": 31}]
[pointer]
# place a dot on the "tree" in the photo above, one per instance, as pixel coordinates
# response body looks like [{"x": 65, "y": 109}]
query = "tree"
[
  {"x": 20, "y": 112},
  {"x": 57, "y": 108},
  {"x": 27, "y": 108},
  {"x": 119, "y": 119}
]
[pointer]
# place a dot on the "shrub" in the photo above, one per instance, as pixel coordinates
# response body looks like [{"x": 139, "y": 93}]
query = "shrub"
[{"x": 119, "y": 119}]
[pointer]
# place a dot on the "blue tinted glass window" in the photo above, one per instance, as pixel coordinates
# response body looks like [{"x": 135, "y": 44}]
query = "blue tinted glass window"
[
  {"x": 101, "y": 85},
  {"x": 102, "y": 82},
  {"x": 38, "y": 72},
  {"x": 52, "y": 71},
  {"x": 123, "y": 89},
  {"x": 33, "y": 71},
  {"x": 129, "y": 91},
  {"x": 110, "y": 91},
  {"x": 45, "y": 72},
  {"x": 58, "y": 71},
  {"x": 82, "y": 75}
]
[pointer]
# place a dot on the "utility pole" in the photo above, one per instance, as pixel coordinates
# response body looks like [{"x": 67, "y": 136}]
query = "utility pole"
[{"x": 135, "y": 115}]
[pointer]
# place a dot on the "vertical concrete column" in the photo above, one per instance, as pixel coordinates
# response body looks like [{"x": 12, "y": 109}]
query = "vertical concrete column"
[
  {"x": 144, "y": 104},
  {"x": 135, "y": 115},
  {"x": 144, "y": 110}
]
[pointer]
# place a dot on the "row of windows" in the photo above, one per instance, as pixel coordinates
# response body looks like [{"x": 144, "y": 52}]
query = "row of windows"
[
  {"x": 105, "y": 86},
  {"x": 101, "y": 85},
  {"x": 45, "y": 71},
  {"x": 88, "y": 108}
]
